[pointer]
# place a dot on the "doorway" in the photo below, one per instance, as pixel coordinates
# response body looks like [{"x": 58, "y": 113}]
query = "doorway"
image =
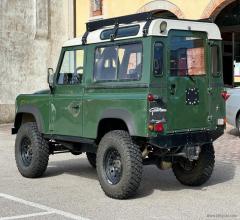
[{"x": 228, "y": 21}]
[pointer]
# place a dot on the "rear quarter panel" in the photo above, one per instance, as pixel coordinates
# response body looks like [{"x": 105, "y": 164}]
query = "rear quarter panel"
[
  {"x": 216, "y": 86},
  {"x": 96, "y": 103}
]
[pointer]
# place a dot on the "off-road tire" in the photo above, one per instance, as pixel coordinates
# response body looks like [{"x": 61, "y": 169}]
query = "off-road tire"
[
  {"x": 201, "y": 171},
  {"x": 238, "y": 124},
  {"x": 91, "y": 159},
  {"x": 39, "y": 148},
  {"x": 131, "y": 164}
]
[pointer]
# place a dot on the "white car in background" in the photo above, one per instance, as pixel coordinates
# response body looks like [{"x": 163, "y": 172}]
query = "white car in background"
[{"x": 233, "y": 107}]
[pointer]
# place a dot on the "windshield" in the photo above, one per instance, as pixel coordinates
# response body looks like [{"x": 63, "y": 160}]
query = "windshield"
[{"x": 187, "y": 56}]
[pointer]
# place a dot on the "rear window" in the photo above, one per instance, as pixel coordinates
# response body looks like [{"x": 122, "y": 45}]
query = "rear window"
[
  {"x": 121, "y": 32},
  {"x": 215, "y": 60},
  {"x": 122, "y": 62},
  {"x": 158, "y": 59},
  {"x": 187, "y": 56}
]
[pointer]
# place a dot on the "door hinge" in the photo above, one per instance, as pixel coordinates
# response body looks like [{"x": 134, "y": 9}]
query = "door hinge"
[
  {"x": 210, "y": 90},
  {"x": 210, "y": 118}
]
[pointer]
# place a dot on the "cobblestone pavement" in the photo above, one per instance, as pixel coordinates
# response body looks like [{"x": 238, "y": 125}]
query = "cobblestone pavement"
[
  {"x": 227, "y": 147},
  {"x": 70, "y": 190}
]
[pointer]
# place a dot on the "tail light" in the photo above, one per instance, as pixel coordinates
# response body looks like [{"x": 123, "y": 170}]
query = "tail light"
[
  {"x": 158, "y": 127},
  {"x": 152, "y": 97},
  {"x": 225, "y": 95}
]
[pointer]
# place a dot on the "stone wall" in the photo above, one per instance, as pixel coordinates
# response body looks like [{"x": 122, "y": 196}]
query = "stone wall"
[{"x": 31, "y": 35}]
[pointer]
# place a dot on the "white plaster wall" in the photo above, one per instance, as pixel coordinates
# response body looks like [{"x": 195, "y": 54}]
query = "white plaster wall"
[{"x": 31, "y": 35}]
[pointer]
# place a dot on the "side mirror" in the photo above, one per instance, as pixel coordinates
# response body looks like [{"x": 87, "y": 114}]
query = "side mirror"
[{"x": 50, "y": 78}]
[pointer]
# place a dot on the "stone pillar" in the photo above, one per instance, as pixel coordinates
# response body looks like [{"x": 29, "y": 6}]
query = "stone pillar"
[{"x": 32, "y": 33}]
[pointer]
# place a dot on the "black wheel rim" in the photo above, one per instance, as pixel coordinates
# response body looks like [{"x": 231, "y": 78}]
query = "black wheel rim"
[
  {"x": 113, "y": 166},
  {"x": 26, "y": 151},
  {"x": 187, "y": 165}
]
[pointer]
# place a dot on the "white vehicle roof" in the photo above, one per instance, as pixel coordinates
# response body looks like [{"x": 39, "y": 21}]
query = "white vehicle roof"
[{"x": 211, "y": 29}]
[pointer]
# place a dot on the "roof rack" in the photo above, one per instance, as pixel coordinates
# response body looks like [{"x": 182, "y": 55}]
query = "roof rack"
[
  {"x": 95, "y": 25},
  {"x": 145, "y": 16}
]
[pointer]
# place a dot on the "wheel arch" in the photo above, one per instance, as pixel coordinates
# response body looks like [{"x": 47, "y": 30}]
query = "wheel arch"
[
  {"x": 27, "y": 113},
  {"x": 114, "y": 119}
]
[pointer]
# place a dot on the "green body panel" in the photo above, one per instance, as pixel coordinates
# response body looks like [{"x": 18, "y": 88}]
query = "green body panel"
[
  {"x": 66, "y": 110},
  {"x": 39, "y": 101},
  {"x": 158, "y": 84},
  {"x": 182, "y": 116},
  {"x": 97, "y": 102},
  {"x": 217, "y": 104},
  {"x": 96, "y": 99}
]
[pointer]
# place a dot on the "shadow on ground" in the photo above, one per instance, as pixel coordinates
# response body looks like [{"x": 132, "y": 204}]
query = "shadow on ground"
[
  {"x": 233, "y": 132},
  {"x": 153, "y": 178},
  {"x": 78, "y": 167}
]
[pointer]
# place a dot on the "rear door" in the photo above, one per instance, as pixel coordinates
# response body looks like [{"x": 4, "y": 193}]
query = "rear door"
[{"x": 188, "y": 100}]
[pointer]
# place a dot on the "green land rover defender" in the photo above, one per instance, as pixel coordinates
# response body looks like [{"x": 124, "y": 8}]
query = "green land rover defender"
[{"x": 134, "y": 90}]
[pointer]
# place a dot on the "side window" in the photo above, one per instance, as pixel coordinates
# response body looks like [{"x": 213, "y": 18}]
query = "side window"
[
  {"x": 123, "y": 62},
  {"x": 105, "y": 67},
  {"x": 158, "y": 59},
  {"x": 215, "y": 60},
  {"x": 71, "y": 71},
  {"x": 130, "y": 61}
]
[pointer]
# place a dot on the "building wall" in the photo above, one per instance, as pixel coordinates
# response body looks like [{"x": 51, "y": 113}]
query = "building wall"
[
  {"x": 188, "y": 9},
  {"x": 32, "y": 32}
]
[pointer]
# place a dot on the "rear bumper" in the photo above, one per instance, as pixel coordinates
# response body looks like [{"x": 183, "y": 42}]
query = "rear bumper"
[{"x": 186, "y": 139}]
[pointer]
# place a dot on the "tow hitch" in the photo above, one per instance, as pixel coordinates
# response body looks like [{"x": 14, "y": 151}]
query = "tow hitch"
[{"x": 190, "y": 152}]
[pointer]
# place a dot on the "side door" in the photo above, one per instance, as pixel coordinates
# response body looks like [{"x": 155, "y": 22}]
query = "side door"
[
  {"x": 66, "y": 104},
  {"x": 188, "y": 81}
]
